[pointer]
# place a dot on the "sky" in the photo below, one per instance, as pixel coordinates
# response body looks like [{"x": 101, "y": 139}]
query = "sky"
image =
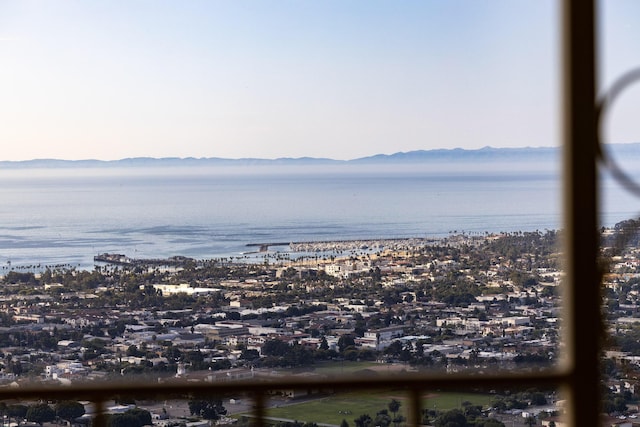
[{"x": 83, "y": 79}]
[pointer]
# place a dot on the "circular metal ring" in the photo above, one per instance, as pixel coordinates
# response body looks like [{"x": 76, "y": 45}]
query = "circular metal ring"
[{"x": 602, "y": 105}]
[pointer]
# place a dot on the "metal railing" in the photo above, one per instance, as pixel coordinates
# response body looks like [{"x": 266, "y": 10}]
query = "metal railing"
[
  {"x": 414, "y": 386},
  {"x": 578, "y": 373}
]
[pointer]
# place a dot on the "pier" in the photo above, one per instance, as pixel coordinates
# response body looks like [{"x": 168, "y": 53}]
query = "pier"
[{"x": 265, "y": 246}]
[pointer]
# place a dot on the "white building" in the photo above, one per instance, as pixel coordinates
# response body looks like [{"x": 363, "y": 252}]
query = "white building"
[{"x": 184, "y": 288}]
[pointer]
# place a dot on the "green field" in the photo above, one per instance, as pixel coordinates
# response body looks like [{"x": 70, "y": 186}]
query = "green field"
[
  {"x": 359, "y": 369},
  {"x": 348, "y": 406},
  {"x": 346, "y": 367}
]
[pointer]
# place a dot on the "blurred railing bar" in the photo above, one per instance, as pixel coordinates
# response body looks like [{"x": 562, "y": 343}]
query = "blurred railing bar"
[
  {"x": 463, "y": 381},
  {"x": 415, "y": 407},
  {"x": 259, "y": 410},
  {"x": 582, "y": 319},
  {"x": 100, "y": 417}
]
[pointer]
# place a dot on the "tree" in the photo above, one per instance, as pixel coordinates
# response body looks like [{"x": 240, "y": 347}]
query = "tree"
[
  {"x": 382, "y": 419},
  {"x": 122, "y": 420},
  {"x": 363, "y": 420},
  {"x": 17, "y": 411},
  {"x": 394, "y": 349},
  {"x": 399, "y": 419},
  {"x": 194, "y": 357},
  {"x": 172, "y": 353},
  {"x": 344, "y": 423},
  {"x": 345, "y": 341},
  {"x": 69, "y": 410},
  {"x": 135, "y": 417},
  {"x": 538, "y": 399},
  {"x": 275, "y": 348},
  {"x": 394, "y": 406},
  {"x": 209, "y": 409},
  {"x": 143, "y": 416},
  {"x": 452, "y": 418},
  {"x": 250, "y": 354},
  {"x": 40, "y": 413},
  {"x": 323, "y": 343},
  {"x": 133, "y": 351}
]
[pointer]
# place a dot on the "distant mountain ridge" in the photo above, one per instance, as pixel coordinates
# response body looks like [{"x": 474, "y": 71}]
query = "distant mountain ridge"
[
  {"x": 485, "y": 154},
  {"x": 459, "y": 154}
]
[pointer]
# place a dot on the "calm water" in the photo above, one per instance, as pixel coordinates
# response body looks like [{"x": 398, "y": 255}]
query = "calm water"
[{"x": 51, "y": 216}]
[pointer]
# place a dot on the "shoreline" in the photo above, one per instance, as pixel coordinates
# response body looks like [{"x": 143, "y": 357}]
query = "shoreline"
[{"x": 299, "y": 251}]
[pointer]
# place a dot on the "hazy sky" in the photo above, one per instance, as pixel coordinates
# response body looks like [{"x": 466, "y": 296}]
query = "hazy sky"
[{"x": 323, "y": 78}]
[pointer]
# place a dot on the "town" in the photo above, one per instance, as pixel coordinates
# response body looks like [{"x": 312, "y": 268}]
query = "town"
[{"x": 465, "y": 303}]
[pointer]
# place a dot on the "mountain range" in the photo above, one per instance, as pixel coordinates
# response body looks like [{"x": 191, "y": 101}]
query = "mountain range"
[{"x": 486, "y": 154}]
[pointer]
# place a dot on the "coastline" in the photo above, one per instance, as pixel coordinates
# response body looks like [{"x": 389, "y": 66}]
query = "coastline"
[
  {"x": 300, "y": 252},
  {"x": 321, "y": 251}
]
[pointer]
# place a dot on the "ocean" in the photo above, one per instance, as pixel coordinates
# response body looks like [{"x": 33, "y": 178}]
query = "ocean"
[{"x": 65, "y": 216}]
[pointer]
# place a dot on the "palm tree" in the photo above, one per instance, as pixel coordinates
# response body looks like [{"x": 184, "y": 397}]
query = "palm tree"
[{"x": 394, "y": 406}]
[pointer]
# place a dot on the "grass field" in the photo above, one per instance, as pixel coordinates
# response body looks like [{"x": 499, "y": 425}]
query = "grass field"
[
  {"x": 346, "y": 367},
  {"x": 348, "y": 406},
  {"x": 358, "y": 368}
]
